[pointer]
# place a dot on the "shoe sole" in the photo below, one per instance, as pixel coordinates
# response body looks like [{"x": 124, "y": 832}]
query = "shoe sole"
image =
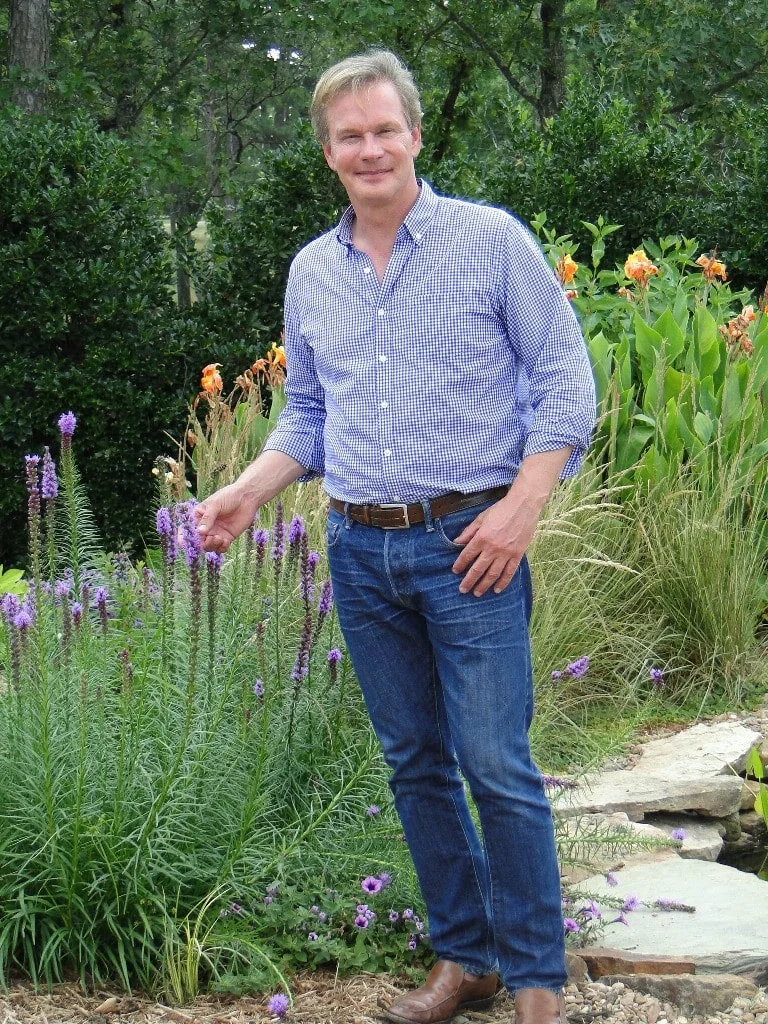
[{"x": 474, "y": 1004}]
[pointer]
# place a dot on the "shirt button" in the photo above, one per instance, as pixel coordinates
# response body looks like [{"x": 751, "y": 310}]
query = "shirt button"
[
  {"x": 417, "y": 236},
  {"x": 387, "y": 452},
  {"x": 385, "y": 405},
  {"x": 382, "y": 312},
  {"x": 367, "y": 270},
  {"x": 382, "y": 359}
]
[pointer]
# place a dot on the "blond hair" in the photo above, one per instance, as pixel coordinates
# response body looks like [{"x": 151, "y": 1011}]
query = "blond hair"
[{"x": 356, "y": 72}]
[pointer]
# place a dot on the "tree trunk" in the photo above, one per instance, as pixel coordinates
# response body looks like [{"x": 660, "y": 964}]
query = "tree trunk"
[
  {"x": 448, "y": 109},
  {"x": 552, "y": 69},
  {"x": 29, "y": 48}
]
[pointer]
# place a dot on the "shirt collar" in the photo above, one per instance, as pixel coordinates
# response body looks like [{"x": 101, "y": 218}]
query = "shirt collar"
[{"x": 416, "y": 222}]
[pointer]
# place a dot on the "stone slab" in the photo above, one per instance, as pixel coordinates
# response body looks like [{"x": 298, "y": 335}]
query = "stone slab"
[
  {"x": 719, "y": 748},
  {"x": 702, "y": 994},
  {"x": 638, "y": 793},
  {"x": 703, "y": 839},
  {"x": 601, "y": 961},
  {"x": 728, "y": 931}
]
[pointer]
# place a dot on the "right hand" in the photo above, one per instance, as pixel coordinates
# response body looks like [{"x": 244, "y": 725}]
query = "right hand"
[{"x": 223, "y": 516}]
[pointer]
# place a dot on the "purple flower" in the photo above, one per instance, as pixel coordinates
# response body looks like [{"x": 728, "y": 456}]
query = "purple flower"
[
  {"x": 657, "y": 678},
  {"x": 621, "y": 919},
  {"x": 579, "y": 667},
  {"x": 313, "y": 937},
  {"x": 322, "y": 916},
  {"x": 50, "y": 484},
  {"x": 591, "y": 912},
  {"x": 278, "y": 534},
  {"x": 10, "y": 607},
  {"x": 258, "y": 688},
  {"x": 412, "y": 943},
  {"x": 361, "y": 921},
  {"x": 373, "y": 810},
  {"x": 665, "y": 903},
  {"x": 679, "y": 833},
  {"x": 32, "y": 462},
  {"x": 611, "y": 878},
  {"x": 23, "y": 620},
  {"x": 408, "y": 914},
  {"x": 558, "y": 782},
  {"x": 268, "y": 900},
  {"x": 67, "y": 424},
  {"x": 62, "y": 589},
  {"x": 191, "y": 540},
  {"x": 312, "y": 559},
  {"x": 235, "y": 908},
  {"x": 385, "y": 878},
  {"x": 214, "y": 560},
  {"x": 326, "y": 599},
  {"x": 394, "y": 916},
  {"x": 167, "y": 533},
  {"x": 77, "y": 612},
  {"x": 296, "y": 531},
  {"x": 557, "y": 675},
  {"x": 631, "y": 903},
  {"x": 570, "y": 925},
  {"x": 273, "y": 890},
  {"x": 334, "y": 657},
  {"x": 371, "y": 885},
  {"x": 278, "y": 1005},
  {"x": 260, "y": 538}
]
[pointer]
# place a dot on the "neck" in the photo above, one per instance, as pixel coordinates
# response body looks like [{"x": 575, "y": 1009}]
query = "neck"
[{"x": 381, "y": 223}]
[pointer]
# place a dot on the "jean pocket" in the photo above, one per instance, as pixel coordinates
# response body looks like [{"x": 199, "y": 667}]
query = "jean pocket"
[
  {"x": 451, "y": 526},
  {"x": 333, "y": 528}
]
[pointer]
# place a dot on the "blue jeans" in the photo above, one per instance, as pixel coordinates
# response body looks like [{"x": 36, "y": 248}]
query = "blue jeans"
[{"x": 447, "y": 681}]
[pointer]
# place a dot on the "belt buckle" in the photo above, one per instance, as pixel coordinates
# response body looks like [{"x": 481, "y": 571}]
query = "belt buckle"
[{"x": 403, "y": 506}]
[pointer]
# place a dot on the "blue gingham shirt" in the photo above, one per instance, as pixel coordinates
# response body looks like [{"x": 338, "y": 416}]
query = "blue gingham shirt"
[{"x": 463, "y": 361}]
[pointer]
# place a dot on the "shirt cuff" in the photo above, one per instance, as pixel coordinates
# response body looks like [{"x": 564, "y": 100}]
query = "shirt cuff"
[{"x": 537, "y": 443}]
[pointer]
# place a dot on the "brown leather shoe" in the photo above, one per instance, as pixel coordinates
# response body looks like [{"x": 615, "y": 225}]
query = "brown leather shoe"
[
  {"x": 447, "y": 990},
  {"x": 539, "y": 1006}
]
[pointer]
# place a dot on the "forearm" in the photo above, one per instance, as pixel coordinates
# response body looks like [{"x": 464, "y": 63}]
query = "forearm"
[
  {"x": 537, "y": 478},
  {"x": 268, "y": 475}
]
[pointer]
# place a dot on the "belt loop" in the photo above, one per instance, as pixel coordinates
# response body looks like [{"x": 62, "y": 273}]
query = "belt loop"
[
  {"x": 429, "y": 525},
  {"x": 347, "y": 517}
]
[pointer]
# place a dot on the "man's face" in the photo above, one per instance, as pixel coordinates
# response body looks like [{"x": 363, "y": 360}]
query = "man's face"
[{"x": 370, "y": 146}]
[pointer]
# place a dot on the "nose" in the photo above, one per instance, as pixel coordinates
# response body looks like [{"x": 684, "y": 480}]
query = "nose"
[{"x": 371, "y": 146}]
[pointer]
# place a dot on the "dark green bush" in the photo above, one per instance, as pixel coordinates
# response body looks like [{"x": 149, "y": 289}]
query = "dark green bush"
[
  {"x": 87, "y": 320},
  {"x": 655, "y": 175},
  {"x": 240, "y": 277}
]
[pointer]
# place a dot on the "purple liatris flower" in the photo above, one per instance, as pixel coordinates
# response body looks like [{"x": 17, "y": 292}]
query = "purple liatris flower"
[
  {"x": 579, "y": 667},
  {"x": 326, "y": 599},
  {"x": 556, "y": 675},
  {"x": 50, "y": 483},
  {"x": 278, "y": 535},
  {"x": 371, "y": 884},
  {"x": 23, "y": 620},
  {"x": 334, "y": 656},
  {"x": 570, "y": 925},
  {"x": 657, "y": 678},
  {"x": 102, "y": 597},
  {"x": 31, "y": 463},
  {"x": 278, "y": 1005},
  {"x": 77, "y": 612},
  {"x": 296, "y": 531},
  {"x": 67, "y": 424},
  {"x": 191, "y": 541},
  {"x": 214, "y": 560},
  {"x": 62, "y": 589},
  {"x": 258, "y": 688},
  {"x": 10, "y": 606},
  {"x": 167, "y": 533},
  {"x": 260, "y": 539}
]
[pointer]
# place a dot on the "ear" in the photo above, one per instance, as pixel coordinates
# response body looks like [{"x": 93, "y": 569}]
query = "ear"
[
  {"x": 329, "y": 156},
  {"x": 415, "y": 141}
]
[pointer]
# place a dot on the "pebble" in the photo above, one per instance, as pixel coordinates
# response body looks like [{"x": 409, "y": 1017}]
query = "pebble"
[{"x": 617, "y": 1004}]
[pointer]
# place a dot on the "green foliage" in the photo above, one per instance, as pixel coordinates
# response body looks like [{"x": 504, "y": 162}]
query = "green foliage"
[
  {"x": 240, "y": 275},
  {"x": 11, "y": 581},
  {"x": 86, "y": 317}
]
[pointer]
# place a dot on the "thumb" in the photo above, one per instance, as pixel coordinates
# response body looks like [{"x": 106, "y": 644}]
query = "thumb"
[{"x": 205, "y": 515}]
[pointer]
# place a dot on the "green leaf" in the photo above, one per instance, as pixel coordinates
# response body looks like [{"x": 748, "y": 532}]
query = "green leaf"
[
  {"x": 648, "y": 343},
  {"x": 705, "y": 342},
  {"x": 674, "y": 338},
  {"x": 755, "y": 765}
]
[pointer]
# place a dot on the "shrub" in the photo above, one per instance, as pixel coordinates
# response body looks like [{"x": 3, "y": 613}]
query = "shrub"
[{"x": 86, "y": 317}]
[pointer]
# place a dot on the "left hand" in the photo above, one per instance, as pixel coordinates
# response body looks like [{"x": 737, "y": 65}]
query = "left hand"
[{"x": 495, "y": 542}]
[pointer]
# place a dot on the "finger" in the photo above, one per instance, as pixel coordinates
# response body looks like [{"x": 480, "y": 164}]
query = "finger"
[
  {"x": 506, "y": 577},
  {"x": 488, "y": 579},
  {"x": 477, "y": 570},
  {"x": 468, "y": 532},
  {"x": 206, "y": 518},
  {"x": 466, "y": 558}
]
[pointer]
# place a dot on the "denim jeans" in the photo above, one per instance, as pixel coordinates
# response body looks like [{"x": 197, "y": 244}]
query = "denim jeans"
[{"x": 447, "y": 681}]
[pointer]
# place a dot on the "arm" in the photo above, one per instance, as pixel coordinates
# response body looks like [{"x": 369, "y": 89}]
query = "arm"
[
  {"x": 498, "y": 538},
  {"x": 227, "y": 513}
]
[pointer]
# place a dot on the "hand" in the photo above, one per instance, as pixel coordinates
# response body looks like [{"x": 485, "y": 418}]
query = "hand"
[
  {"x": 224, "y": 516},
  {"x": 495, "y": 542}
]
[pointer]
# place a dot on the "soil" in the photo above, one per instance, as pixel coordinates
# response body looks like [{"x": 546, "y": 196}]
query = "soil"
[{"x": 323, "y": 999}]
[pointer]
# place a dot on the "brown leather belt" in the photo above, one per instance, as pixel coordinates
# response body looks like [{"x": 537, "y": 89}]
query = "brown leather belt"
[{"x": 398, "y": 516}]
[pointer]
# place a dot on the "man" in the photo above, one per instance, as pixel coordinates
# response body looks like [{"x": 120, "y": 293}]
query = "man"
[{"x": 438, "y": 379}]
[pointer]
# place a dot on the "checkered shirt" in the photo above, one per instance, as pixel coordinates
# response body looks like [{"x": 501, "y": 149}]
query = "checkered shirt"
[{"x": 463, "y": 361}]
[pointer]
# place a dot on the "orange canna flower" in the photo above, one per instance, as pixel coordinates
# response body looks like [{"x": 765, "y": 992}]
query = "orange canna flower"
[
  {"x": 277, "y": 354},
  {"x": 211, "y": 381},
  {"x": 711, "y": 268},
  {"x": 566, "y": 269},
  {"x": 639, "y": 268}
]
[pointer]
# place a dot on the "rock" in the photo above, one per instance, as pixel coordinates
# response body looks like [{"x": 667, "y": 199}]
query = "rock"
[
  {"x": 752, "y": 823},
  {"x": 719, "y": 748},
  {"x": 728, "y": 931},
  {"x": 749, "y": 795},
  {"x": 600, "y": 961},
  {"x": 702, "y": 841},
  {"x": 637, "y": 793},
  {"x": 576, "y": 968},
  {"x": 692, "y": 993}
]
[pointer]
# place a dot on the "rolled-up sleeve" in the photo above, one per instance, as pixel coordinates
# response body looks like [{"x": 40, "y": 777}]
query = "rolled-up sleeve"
[
  {"x": 548, "y": 339},
  {"x": 300, "y": 427}
]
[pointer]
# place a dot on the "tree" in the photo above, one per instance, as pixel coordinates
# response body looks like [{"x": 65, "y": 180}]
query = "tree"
[{"x": 29, "y": 43}]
